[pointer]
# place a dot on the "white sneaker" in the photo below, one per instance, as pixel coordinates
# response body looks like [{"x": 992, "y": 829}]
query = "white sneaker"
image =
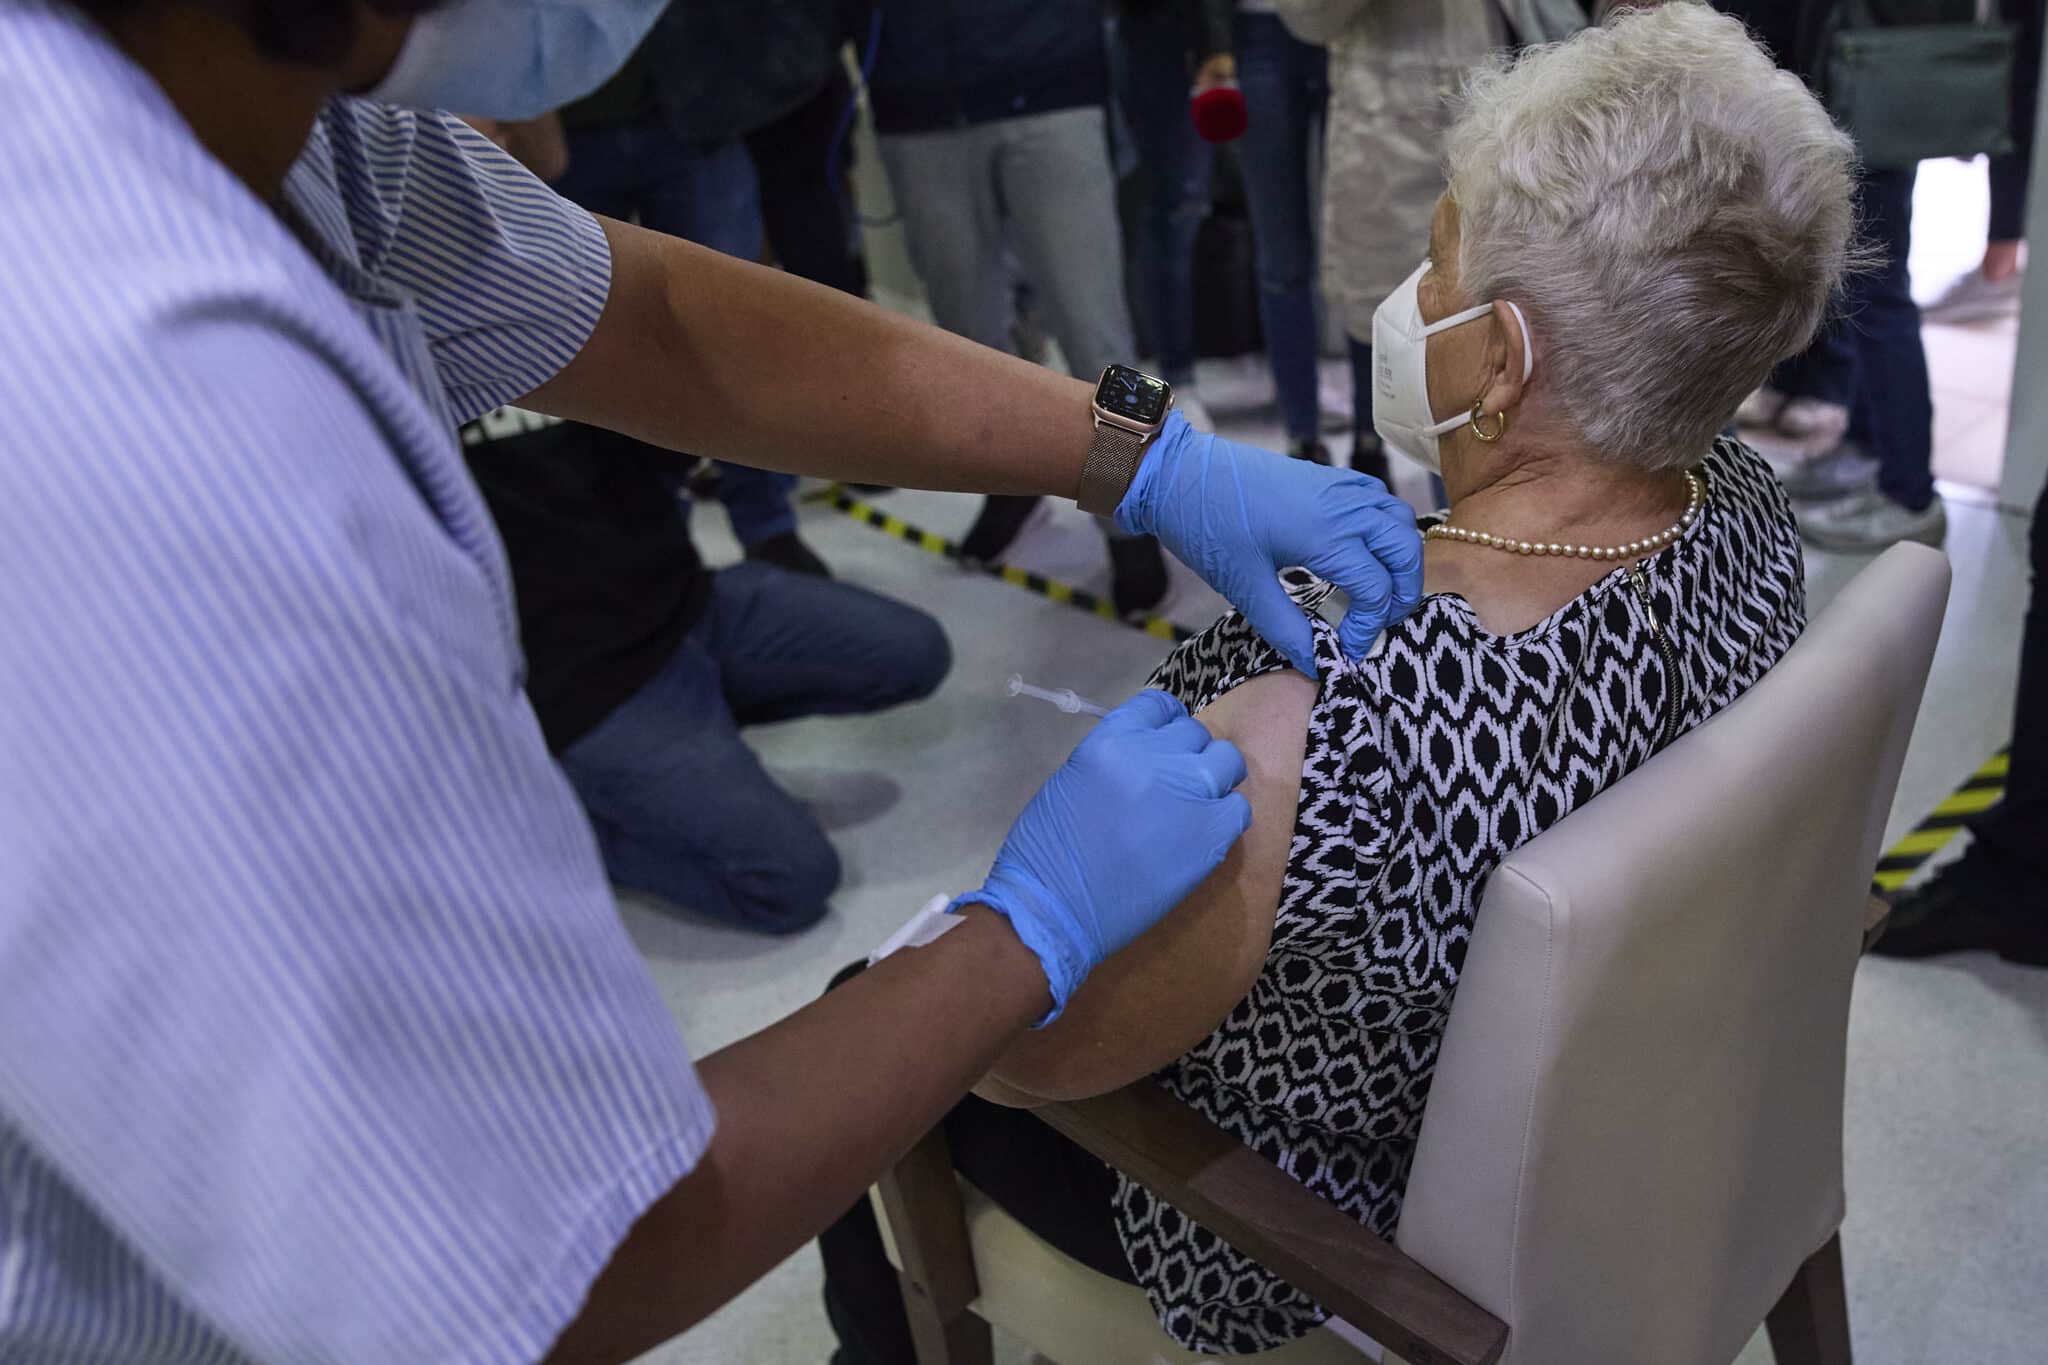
[
  {"x": 1974, "y": 298},
  {"x": 1761, "y": 408},
  {"x": 1866, "y": 522},
  {"x": 1194, "y": 409},
  {"x": 1816, "y": 427},
  {"x": 1333, "y": 398}
]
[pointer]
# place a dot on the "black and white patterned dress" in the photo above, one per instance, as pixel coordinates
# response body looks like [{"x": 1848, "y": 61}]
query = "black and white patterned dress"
[{"x": 1427, "y": 764}]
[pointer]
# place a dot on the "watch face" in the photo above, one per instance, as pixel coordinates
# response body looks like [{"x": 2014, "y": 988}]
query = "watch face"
[{"x": 1128, "y": 393}]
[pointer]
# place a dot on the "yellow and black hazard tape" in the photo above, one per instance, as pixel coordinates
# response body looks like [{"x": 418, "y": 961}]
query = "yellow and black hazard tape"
[
  {"x": 1049, "y": 588},
  {"x": 1980, "y": 793}
]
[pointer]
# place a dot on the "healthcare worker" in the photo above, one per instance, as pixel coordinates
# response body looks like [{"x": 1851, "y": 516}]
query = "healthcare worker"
[{"x": 320, "y": 1039}]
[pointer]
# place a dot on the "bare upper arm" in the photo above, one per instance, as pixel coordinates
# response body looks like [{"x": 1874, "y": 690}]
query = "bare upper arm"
[{"x": 1165, "y": 993}]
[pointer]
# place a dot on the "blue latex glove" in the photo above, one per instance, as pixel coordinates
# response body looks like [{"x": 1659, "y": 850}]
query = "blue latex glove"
[
  {"x": 1237, "y": 515},
  {"x": 1144, "y": 809}
]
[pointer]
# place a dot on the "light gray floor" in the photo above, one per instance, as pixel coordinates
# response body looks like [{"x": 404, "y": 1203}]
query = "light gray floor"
[{"x": 1947, "y": 1238}]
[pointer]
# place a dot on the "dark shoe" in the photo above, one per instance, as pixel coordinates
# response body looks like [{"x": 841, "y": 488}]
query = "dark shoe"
[
  {"x": 1137, "y": 575},
  {"x": 1314, "y": 451},
  {"x": 787, "y": 552},
  {"x": 1002, "y": 519},
  {"x": 1953, "y": 913}
]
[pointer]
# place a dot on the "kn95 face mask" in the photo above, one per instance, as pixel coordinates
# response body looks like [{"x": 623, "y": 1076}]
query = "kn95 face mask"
[{"x": 1400, "y": 371}]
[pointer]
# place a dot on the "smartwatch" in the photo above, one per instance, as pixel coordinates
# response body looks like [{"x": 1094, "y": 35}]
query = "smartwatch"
[{"x": 1130, "y": 407}]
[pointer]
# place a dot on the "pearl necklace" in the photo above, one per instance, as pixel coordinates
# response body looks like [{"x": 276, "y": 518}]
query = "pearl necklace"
[{"x": 1635, "y": 549}]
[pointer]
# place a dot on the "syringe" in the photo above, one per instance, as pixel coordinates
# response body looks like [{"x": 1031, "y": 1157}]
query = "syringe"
[{"x": 1062, "y": 697}]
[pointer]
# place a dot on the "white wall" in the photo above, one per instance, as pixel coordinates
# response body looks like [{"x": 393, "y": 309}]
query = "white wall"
[{"x": 2026, "y": 441}]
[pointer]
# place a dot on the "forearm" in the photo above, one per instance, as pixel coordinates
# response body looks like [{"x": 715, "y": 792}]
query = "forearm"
[
  {"x": 810, "y": 1111},
  {"x": 701, "y": 352}
]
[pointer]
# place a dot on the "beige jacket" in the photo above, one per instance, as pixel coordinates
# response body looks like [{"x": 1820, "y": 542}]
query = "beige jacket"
[{"x": 1394, "y": 65}]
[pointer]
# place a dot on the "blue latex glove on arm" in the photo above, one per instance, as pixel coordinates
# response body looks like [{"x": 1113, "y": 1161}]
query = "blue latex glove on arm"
[
  {"x": 1144, "y": 809},
  {"x": 1237, "y": 515}
]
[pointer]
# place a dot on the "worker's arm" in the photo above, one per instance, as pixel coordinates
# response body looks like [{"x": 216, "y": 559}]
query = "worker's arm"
[
  {"x": 810, "y": 1111},
  {"x": 700, "y": 352},
  {"x": 703, "y": 352},
  {"x": 1168, "y": 991}
]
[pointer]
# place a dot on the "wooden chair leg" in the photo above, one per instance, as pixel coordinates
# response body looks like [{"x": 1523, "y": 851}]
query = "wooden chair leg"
[
  {"x": 961, "y": 1340},
  {"x": 921, "y": 1197},
  {"x": 1810, "y": 1324}
]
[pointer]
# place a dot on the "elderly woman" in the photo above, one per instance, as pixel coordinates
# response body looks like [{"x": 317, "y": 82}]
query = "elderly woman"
[{"x": 1640, "y": 222}]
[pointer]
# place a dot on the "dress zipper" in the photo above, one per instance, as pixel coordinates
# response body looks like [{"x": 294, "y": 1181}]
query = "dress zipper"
[{"x": 1672, "y": 681}]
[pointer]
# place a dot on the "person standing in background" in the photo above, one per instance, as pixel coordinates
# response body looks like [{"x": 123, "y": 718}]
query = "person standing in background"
[
  {"x": 1991, "y": 897},
  {"x": 1993, "y": 288},
  {"x": 1865, "y": 376},
  {"x": 667, "y": 141},
  {"x": 993, "y": 125},
  {"x": 1286, "y": 92},
  {"x": 1161, "y": 51},
  {"x": 1392, "y": 70}
]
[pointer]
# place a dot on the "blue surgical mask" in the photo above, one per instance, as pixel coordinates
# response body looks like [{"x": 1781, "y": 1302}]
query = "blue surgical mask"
[{"x": 514, "y": 59}]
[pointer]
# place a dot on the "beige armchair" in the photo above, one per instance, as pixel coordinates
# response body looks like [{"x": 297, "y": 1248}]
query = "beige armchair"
[{"x": 1632, "y": 1153}]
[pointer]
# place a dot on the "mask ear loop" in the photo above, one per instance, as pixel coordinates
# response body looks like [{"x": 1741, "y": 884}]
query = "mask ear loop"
[
  {"x": 1528, "y": 344},
  {"x": 1528, "y": 367}
]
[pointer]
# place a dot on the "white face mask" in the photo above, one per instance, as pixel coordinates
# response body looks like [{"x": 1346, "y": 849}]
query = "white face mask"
[
  {"x": 1400, "y": 371},
  {"x": 514, "y": 59}
]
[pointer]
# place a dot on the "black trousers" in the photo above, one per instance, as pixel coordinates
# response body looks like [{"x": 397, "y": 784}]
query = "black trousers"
[
  {"x": 805, "y": 214},
  {"x": 2011, "y": 848},
  {"x": 1059, "y": 1191}
]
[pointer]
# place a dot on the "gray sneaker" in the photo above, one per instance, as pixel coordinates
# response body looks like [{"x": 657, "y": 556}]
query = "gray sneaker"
[
  {"x": 1866, "y": 522},
  {"x": 1814, "y": 422},
  {"x": 1826, "y": 478},
  {"x": 1973, "y": 298}
]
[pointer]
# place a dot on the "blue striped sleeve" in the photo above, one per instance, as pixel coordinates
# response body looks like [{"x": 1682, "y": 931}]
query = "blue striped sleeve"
[
  {"x": 310, "y": 983},
  {"x": 509, "y": 277}
]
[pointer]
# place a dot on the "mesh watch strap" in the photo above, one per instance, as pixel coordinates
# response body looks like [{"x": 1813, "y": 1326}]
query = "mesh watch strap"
[{"x": 1112, "y": 463}]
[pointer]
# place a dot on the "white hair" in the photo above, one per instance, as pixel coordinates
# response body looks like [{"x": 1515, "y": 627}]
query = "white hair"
[{"x": 1671, "y": 209}]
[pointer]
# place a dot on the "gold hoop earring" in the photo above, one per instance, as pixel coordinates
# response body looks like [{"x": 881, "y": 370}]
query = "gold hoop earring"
[{"x": 1479, "y": 411}]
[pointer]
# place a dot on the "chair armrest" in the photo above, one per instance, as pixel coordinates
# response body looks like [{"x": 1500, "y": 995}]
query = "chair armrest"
[{"x": 1210, "y": 1176}]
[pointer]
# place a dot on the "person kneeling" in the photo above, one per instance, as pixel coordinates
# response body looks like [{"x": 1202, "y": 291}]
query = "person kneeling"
[{"x": 643, "y": 665}]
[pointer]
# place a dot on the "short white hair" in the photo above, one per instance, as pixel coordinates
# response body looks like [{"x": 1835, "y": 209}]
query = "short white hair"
[{"x": 1673, "y": 212}]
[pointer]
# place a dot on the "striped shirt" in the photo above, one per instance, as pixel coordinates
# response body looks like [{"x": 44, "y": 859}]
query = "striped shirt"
[{"x": 320, "y": 1039}]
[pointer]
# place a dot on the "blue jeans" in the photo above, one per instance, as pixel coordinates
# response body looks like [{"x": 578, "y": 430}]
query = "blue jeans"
[
  {"x": 1870, "y": 358},
  {"x": 704, "y": 192},
  {"x": 682, "y": 808},
  {"x": 1286, "y": 88},
  {"x": 1148, "y": 62}
]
